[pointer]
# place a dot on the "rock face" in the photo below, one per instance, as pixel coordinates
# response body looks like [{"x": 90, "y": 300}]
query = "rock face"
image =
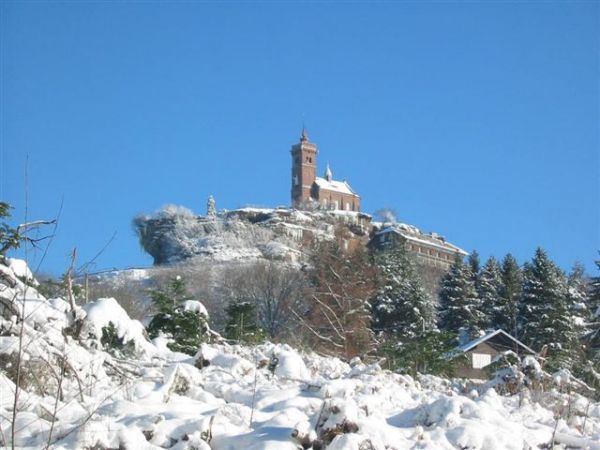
[{"x": 175, "y": 234}]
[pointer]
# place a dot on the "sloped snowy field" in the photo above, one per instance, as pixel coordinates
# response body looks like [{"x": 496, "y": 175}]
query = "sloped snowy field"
[{"x": 262, "y": 397}]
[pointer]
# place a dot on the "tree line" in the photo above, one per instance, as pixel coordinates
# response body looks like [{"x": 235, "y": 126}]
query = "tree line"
[{"x": 357, "y": 302}]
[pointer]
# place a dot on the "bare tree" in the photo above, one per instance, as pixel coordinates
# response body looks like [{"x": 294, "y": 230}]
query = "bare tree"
[
  {"x": 275, "y": 289},
  {"x": 338, "y": 317},
  {"x": 132, "y": 296}
]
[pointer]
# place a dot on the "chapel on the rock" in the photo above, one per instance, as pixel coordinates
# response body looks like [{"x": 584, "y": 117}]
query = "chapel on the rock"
[{"x": 309, "y": 190}]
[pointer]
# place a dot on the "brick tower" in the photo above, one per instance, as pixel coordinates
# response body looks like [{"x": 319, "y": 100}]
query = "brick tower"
[{"x": 304, "y": 169}]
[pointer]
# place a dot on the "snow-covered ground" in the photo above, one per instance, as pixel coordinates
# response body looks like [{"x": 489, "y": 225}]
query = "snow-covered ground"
[{"x": 76, "y": 395}]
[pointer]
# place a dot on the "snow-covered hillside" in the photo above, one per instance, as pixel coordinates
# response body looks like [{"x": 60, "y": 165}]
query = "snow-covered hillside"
[{"x": 77, "y": 395}]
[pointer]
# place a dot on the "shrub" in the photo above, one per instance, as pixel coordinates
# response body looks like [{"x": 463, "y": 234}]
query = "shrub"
[
  {"x": 112, "y": 343},
  {"x": 179, "y": 318},
  {"x": 242, "y": 325}
]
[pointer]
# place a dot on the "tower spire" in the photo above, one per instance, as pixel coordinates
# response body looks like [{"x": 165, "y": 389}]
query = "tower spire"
[{"x": 304, "y": 136}]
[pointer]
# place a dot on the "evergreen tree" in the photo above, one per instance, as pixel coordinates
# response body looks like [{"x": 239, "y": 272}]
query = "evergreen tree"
[
  {"x": 489, "y": 286},
  {"x": 590, "y": 370},
  {"x": 474, "y": 264},
  {"x": 577, "y": 308},
  {"x": 242, "y": 324},
  {"x": 176, "y": 318},
  {"x": 427, "y": 353},
  {"x": 402, "y": 308},
  {"x": 9, "y": 236},
  {"x": 593, "y": 302},
  {"x": 577, "y": 296},
  {"x": 545, "y": 318},
  {"x": 460, "y": 307},
  {"x": 507, "y": 307}
]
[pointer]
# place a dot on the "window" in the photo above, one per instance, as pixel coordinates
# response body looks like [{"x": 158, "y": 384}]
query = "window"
[{"x": 481, "y": 360}]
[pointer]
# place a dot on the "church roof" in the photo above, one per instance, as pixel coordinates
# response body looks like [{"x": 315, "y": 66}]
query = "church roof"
[{"x": 335, "y": 186}]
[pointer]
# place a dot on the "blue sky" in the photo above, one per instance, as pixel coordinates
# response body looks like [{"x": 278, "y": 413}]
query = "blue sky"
[{"x": 477, "y": 120}]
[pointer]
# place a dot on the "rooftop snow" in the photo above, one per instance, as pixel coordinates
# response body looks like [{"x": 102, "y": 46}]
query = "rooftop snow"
[
  {"x": 474, "y": 343},
  {"x": 336, "y": 186},
  {"x": 415, "y": 235}
]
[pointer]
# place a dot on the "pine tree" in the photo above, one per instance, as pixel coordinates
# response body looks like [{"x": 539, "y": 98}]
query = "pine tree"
[
  {"x": 187, "y": 327},
  {"x": 507, "y": 307},
  {"x": 242, "y": 323},
  {"x": 9, "y": 236},
  {"x": 474, "y": 264},
  {"x": 592, "y": 333},
  {"x": 577, "y": 296},
  {"x": 460, "y": 307},
  {"x": 577, "y": 308},
  {"x": 428, "y": 353},
  {"x": 593, "y": 302},
  {"x": 402, "y": 308},
  {"x": 490, "y": 282},
  {"x": 544, "y": 314}
]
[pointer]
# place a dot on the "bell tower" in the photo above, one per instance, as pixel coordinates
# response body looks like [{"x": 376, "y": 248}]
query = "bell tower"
[{"x": 304, "y": 169}]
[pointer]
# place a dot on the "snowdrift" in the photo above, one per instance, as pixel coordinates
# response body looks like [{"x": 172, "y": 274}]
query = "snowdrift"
[{"x": 77, "y": 394}]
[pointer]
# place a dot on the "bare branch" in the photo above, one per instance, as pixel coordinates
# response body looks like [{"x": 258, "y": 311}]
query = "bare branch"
[{"x": 34, "y": 224}]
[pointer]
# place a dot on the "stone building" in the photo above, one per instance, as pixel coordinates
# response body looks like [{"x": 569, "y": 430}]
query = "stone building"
[
  {"x": 309, "y": 190},
  {"x": 430, "y": 248}
]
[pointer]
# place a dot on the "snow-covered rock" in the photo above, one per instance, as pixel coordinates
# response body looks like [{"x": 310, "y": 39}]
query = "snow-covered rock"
[{"x": 175, "y": 234}]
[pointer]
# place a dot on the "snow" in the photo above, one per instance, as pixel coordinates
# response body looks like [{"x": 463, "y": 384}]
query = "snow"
[
  {"x": 20, "y": 269},
  {"x": 413, "y": 234},
  {"x": 267, "y": 397},
  {"x": 195, "y": 306},
  {"x": 335, "y": 186},
  {"x": 175, "y": 211},
  {"x": 107, "y": 310},
  {"x": 290, "y": 365},
  {"x": 474, "y": 343}
]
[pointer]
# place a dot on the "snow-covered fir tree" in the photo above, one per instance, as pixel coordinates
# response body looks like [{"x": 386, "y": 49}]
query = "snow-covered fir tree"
[
  {"x": 402, "y": 308},
  {"x": 460, "y": 307},
  {"x": 577, "y": 296},
  {"x": 594, "y": 296},
  {"x": 474, "y": 264},
  {"x": 488, "y": 288},
  {"x": 592, "y": 336},
  {"x": 507, "y": 306},
  {"x": 544, "y": 317}
]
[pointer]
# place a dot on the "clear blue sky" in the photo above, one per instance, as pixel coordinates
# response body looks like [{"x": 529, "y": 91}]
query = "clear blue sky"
[{"x": 477, "y": 120}]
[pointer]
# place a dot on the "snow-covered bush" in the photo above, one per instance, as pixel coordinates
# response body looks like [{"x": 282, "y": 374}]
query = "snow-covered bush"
[
  {"x": 179, "y": 318},
  {"x": 105, "y": 324}
]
